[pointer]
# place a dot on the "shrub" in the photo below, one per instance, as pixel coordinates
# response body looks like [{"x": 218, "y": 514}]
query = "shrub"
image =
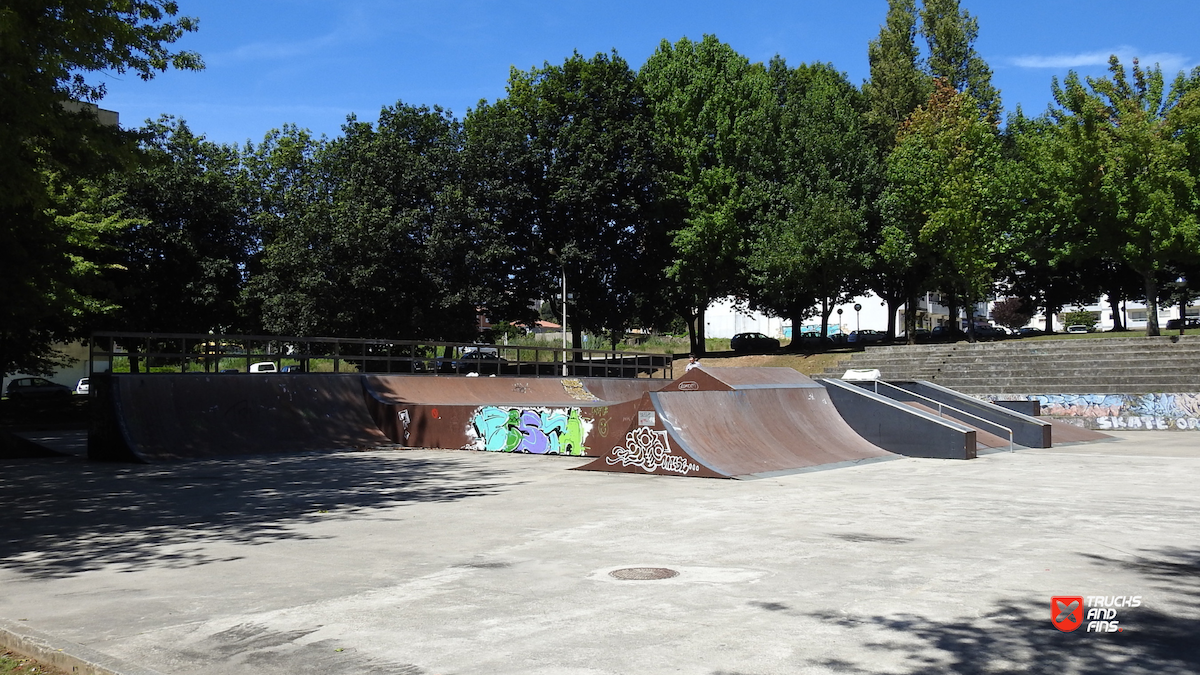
[{"x": 1011, "y": 313}]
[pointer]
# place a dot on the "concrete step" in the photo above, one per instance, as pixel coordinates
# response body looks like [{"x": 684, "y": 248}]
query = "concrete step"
[
  {"x": 1069, "y": 384},
  {"x": 1108, "y": 365},
  {"x": 1089, "y": 370}
]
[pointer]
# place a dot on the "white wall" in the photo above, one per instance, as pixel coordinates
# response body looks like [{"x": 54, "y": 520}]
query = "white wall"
[
  {"x": 68, "y": 376},
  {"x": 723, "y": 320}
]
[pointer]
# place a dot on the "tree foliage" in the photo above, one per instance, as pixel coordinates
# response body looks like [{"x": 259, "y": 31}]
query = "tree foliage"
[
  {"x": 575, "y": 157},
  {"x": 712, "y": 109},
  {"x": 180, "y": 266},
  {"x": 1132, "y": 158},
  {"x": 809, "y": 246},
  {"x": 946, "y": 196},
  {"x": 366, "y": 239},
  {"x": 1011, "y": 312},
  {"x": 698, "y": 177},
  {"x": 47, "y": 52},
  {"x": 897, "y": 84},
  {"x": 950, "y": 33}
]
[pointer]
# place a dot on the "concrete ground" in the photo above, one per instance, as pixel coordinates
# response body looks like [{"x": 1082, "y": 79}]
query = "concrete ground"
[{"x": 437, "y": 562}]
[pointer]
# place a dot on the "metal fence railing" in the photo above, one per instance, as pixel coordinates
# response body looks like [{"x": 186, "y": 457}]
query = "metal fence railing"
[
  {"x": 941, "y": 408},
  {"x": 206, "y": 353}
]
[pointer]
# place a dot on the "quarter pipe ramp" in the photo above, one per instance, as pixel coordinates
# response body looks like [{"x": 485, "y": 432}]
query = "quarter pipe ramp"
[
  {"x": 157, "y": 417},
  {"x": 736, "y": 425}
]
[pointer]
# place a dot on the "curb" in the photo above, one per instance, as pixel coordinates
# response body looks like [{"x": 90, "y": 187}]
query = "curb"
[{"x": 63, "y": 654}]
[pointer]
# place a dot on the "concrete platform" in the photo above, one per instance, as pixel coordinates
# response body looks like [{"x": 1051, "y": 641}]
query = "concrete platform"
[{"x": 427, "y": 562}]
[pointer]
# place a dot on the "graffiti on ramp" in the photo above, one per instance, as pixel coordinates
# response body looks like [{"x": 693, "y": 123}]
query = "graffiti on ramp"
[
  {"x": 539, "y": 431},
  {"x": 649, "y": 450}
]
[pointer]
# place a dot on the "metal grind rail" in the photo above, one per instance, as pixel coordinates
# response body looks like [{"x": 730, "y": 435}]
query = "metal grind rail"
[{"x": 941, "y": 406}]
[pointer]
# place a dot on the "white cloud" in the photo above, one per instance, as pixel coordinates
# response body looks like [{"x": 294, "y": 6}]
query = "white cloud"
[{"x": 1170, "y": 63}]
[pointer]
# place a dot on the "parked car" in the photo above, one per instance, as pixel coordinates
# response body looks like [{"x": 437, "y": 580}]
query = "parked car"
[
  {"x": 1030, "y": 332},
  {"x": 263, "y": 367},
  {"x": 812, "y": 339},
  {"x": 23, "y": 388},
  {"x": 946, "y": 334},
  {"x": 753, "y": 342},
  {"x": 865, "y": 336},
  {"x": 1176, "y": 324},
  {"x": 1078, "y": 329},
  {"x": 83, "y": 387},
  {"x": 480, "y": 361},
  {"x": 990, "y": 333},
  {"x": 292, "y": 369}
]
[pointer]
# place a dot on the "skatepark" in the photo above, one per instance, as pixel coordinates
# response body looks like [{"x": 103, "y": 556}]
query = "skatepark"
[{"x": 870, "y": 532}]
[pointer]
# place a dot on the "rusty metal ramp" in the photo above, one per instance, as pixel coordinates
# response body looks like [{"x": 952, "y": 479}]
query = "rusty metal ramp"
[
  {"x": 730, "y": 379},
  {"x": 162, "y": 417},
  {"x": 457, "y": 390},
  {"x": 750, "y": 432},
  {"x": 574, "y": 416}
]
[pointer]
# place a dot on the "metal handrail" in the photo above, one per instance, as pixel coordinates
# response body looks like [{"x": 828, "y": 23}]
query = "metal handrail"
[
  {"x": 941, "y": 405},
  {"x": 396, "y": 355}
]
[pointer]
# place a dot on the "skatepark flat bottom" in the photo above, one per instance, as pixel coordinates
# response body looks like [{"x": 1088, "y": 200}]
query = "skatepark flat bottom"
[{"x": 413, "y": 561}]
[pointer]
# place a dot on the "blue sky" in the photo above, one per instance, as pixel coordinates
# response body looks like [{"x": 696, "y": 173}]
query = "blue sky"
[{"x": 310, "y": 63}]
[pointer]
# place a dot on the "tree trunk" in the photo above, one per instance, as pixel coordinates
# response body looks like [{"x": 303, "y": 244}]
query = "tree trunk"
[
  {"x": 952, "y": 310},
  {"x": 969, "y": 310},
  {"x": 1151, "y": 304},
  {"x": 825, "y": 310},
  {"x": 893, "y": 304},
  {"x": 1115, "y": 298},
  {"x": 910, "y": 319},
  {"x": 1183, "y": 303},
  {"x": 576, "y": 341},
  {"x": 690, "y": 318},
  {"x": 699, "y": 349}
]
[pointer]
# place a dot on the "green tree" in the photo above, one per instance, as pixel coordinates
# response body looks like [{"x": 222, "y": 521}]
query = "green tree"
[
  {"x": 47, "y": 52},
  {"x": 291, "y": 197},
  {"x": 809, "y": 245},
  {"x": 951, "y": 34},
  {"x": 180, "y": 267},
  {"x": 898, "y": 85},
  {"x": 712, "y": 110},
  {"x": 947, "y": 177},
  {"x": 582, "y": 161},
  {"x": 1052, "y": 261},
  {"x": 365, "y": 235},
  {"x": 1138, "y": 165}
]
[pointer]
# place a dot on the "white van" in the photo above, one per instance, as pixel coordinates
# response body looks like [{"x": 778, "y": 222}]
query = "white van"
[{"x": 264, "y": 367}]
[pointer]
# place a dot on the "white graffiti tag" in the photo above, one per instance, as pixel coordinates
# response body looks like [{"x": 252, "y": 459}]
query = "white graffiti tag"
[{"x": 649, "y": 450}]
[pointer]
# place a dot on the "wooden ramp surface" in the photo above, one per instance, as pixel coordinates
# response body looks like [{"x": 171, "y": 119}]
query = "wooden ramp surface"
[
  {"x": 737, "y": 433},
  {"x": 161, "y": 417}
]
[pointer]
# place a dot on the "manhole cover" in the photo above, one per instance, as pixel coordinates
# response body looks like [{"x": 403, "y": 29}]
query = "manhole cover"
[{"x": 643, "y": 573}]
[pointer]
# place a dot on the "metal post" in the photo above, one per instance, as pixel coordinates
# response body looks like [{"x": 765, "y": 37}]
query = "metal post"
[{"x": 564, "y": 314}]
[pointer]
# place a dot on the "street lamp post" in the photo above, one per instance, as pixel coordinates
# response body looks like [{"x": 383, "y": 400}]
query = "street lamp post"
[
  {"x": 564, "y": 326},
  {"x": 563, "y": 329},
  {"x": 858, "y": 319}
]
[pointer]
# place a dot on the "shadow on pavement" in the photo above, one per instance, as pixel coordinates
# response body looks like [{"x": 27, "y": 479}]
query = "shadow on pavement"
[
  {"x": 66, "y": 516},
  {"x": 1018, "y": 636}
]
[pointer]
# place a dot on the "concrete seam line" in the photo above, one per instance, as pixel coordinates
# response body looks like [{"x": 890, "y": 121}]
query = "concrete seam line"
[{"x": 69, "y": 656}]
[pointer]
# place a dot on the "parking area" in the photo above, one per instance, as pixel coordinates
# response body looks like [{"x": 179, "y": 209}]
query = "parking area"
[{"x": 427, "y": 561}]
